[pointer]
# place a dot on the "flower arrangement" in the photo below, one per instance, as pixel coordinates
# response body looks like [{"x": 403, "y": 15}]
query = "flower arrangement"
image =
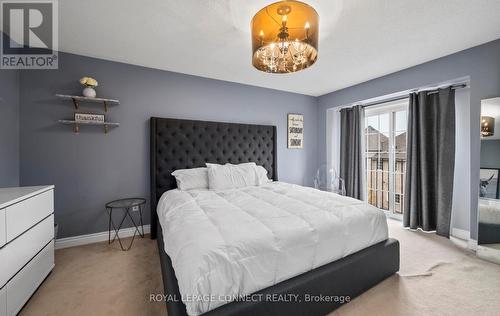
[{"x": 89, "y": 82}]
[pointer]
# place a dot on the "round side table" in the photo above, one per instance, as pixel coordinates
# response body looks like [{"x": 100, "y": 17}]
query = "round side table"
[{"x": 127, "y": 205}]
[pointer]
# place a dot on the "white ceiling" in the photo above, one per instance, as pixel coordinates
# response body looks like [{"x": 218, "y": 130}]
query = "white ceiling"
[{"x": 359, "y": 39}]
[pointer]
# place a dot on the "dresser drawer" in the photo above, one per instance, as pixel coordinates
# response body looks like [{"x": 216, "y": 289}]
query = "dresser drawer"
[
  {"x": 18, "y": 252},
  {"x": 3, "y": 231},
  {"x": 25, "y": 283},
  {"x": 23, "y": 215}
]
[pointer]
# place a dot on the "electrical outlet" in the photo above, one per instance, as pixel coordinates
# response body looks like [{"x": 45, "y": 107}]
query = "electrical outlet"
[{"x": 135, "y": 208}]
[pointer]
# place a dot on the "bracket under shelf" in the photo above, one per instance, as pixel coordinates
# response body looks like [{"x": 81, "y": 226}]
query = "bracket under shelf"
[{"x": 76, "y": 125}]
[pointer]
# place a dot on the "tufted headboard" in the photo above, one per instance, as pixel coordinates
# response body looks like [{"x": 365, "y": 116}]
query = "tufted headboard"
[{"x": 180, "y": 144}]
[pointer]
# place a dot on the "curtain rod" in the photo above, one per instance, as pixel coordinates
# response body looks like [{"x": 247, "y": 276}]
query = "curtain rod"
[
  {"x": 384, "y": 101},
  {"x": 454, "y": 87},
  {"x": 402, "y": 97}
]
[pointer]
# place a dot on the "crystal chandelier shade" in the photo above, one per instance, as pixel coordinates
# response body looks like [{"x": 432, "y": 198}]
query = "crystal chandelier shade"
[{"x": 285, "y": 37}]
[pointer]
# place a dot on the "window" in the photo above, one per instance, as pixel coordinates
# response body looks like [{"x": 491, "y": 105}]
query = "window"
[
  {"x": 397, "y": 198},
  {"x": 385, "y": 152}
]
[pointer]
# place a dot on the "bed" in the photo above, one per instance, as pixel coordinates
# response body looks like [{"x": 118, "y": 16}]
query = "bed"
[
  {"x": 308, "y": 282},
  {"x": 489, "y": 221}
]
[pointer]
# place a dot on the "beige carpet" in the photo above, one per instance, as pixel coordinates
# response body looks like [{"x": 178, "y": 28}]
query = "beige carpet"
[
  {"x": 452, "y": 281},
  {"x": 100, "y": 279},
  {"x": 436, "y": 278}
]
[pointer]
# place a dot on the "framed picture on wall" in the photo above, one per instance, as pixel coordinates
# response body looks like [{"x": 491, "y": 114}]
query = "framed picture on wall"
[
  {"x": 488, "y": 185},
  {"x": 295, "y": 131}
]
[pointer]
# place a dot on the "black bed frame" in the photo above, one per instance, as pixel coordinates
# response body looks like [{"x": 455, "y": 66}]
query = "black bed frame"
[
  {"x": 179, "y": 144},
  {"x": 488, "y": 233}
]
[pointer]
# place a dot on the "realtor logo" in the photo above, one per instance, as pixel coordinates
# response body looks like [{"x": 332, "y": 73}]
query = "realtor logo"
[{"x": 29, "y": 35}]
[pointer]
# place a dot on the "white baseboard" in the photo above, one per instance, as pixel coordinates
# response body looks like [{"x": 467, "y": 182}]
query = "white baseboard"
[
  {"x": 96, "y": 237},
  {"x": 459, "y": 242},
  {"x": 472, "y": 244},
  {"x": 461, "y": 238},
  {"x": 460, "y": 233}
]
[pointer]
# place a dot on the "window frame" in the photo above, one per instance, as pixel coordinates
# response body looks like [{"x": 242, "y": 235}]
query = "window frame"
[{"x": 391, "y": 107}]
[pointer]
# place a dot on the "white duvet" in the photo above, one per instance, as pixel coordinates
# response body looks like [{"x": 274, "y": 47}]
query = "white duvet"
[
  {"x": 489, "y": 211},
  {"x": 235, "y": 242}
]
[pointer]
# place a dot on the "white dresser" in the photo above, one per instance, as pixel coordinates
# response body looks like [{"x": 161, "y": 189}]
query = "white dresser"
[{"x": 26, "y": 243}]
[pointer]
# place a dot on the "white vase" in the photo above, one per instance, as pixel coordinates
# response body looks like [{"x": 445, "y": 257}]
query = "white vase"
[{"x": 89, "y": 92}]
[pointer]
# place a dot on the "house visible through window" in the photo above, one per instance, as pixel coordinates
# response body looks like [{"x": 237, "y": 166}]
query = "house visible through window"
[
  {"x": 385, "y": 152},
  {"x": 397, "y": 198}
]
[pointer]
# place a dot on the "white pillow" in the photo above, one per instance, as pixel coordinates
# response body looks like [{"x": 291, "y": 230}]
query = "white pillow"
[
  {"x": 261, "y": 173},
  {"x": 229, "y": 176},
  {"x": 190, "y": 179}
]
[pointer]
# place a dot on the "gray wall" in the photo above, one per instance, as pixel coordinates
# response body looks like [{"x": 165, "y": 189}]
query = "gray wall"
[
  {"x": 91, "y": 168},
  {"x": 9, "y": 128},
  {"x": 490, "y": 154},
  {"x": 481, "y": 63}
]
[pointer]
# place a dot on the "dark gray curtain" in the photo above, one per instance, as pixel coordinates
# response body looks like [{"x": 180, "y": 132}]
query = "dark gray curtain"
[
  {"x": 430, "y": 161},
  {"x": 351, "y": 151}
]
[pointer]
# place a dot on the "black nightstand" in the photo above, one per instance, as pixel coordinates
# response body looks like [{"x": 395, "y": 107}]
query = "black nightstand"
[{"x": 126, "y": 205}]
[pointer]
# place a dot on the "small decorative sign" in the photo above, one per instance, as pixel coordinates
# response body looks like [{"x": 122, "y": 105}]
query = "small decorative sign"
[
  {"x": 89, "y": 118},
  {"x": 295, "y": 131}
]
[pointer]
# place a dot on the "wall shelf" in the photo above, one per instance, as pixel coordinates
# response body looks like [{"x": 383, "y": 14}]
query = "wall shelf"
[
  {"x": 76, "y": 125},
  {"x": 77, "y": 99}
]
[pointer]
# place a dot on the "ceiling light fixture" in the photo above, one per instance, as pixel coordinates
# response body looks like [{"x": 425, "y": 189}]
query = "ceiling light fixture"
[{"x": 285, "y": 37}]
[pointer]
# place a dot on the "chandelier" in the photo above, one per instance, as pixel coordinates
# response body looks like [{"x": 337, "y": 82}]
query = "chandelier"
[{"x": 285, "y": 37}]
